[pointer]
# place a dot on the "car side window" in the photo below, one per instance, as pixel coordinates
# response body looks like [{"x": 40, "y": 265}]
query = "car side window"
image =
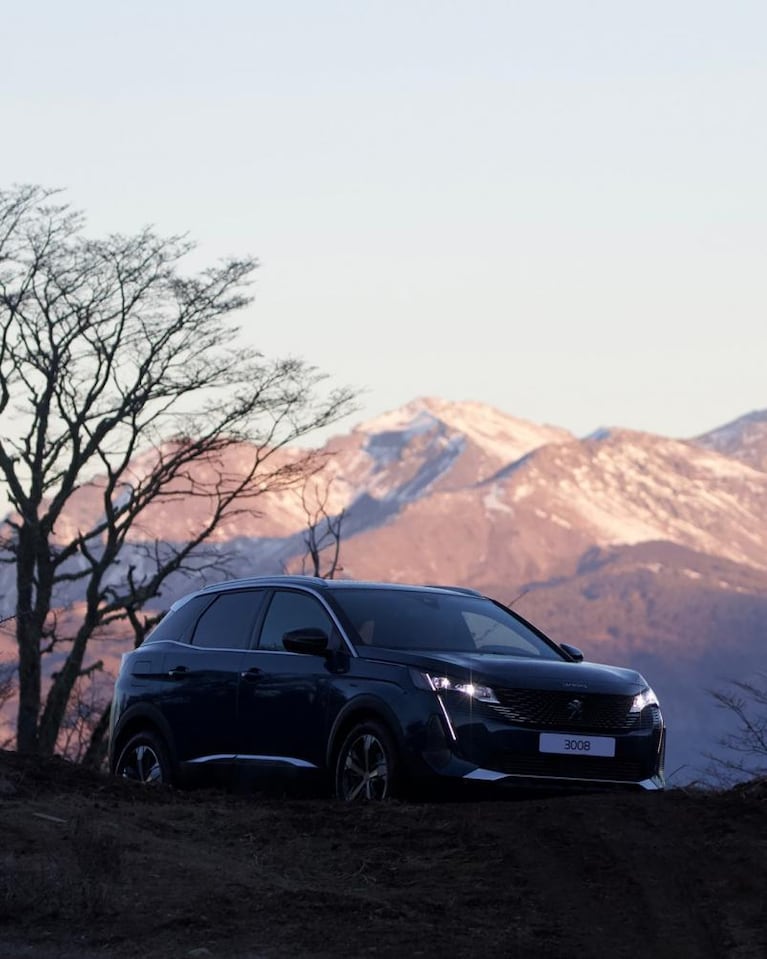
[
  {"x": 228, "y": 623},
  {"x": 292, "y": 610},
  {"x": 177, "y": 625}
]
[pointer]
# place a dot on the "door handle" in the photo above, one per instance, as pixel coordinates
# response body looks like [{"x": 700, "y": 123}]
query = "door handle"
[
  {"x": 178, "y": 672},
  {"x": 251, "y": 675}
]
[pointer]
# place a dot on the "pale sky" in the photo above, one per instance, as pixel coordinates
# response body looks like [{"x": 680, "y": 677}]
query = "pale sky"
[{"x": 558, "y": 208}]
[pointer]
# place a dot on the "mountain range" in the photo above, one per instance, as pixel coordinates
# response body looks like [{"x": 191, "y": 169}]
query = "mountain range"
[{"x": 643, "y": 550}]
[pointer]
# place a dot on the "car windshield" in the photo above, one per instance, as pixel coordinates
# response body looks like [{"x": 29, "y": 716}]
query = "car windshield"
[{"x": 432, "y": 620}]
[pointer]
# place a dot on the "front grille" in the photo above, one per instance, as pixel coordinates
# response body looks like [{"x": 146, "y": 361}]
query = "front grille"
[
  {"x": 570, "y": 767},
  {"x": 557, "y": 709}
]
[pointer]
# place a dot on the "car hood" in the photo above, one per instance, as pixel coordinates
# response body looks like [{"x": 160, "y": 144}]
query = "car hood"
[{"x": 516, "y": 671}]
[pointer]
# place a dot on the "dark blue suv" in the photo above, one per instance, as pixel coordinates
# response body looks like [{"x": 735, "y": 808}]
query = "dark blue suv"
[{"x": 377, "y": 687}]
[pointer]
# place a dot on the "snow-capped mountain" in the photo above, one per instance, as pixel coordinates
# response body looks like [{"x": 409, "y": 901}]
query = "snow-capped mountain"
[
  {"x": 744, "y": 438},
  {"x": 464, "y": 492},
  {"x": 461, "y": 492}
]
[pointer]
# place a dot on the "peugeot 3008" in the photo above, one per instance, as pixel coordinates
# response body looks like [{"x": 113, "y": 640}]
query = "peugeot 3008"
[{"x": 376, "y": 687}]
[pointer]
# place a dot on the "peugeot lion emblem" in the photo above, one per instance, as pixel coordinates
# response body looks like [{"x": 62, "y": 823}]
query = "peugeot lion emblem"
[{"x": 575, "y": 709}]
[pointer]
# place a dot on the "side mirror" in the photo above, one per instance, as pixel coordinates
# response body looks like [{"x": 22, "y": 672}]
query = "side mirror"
[
  {"x": 573, "y": 652},
  {"x": 307, "y": 639}
]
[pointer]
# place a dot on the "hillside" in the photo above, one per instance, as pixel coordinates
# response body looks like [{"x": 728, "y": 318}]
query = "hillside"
[{"x": 98, "y": 868}]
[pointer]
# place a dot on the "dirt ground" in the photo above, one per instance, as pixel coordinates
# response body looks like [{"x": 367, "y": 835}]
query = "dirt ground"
[{"x": 90, "y": 867}]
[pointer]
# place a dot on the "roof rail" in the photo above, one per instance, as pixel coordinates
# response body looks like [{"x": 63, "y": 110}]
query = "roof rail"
[
  {"x": 455, "y": 589},
  {"x": 276, "y": 578}
]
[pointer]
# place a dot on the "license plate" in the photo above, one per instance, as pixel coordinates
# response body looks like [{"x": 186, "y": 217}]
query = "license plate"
[{"x": 577, "y": 745}]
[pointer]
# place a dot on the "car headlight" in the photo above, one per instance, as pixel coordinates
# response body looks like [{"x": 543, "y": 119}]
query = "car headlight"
[
  {"x": 646, "y": 698},
  {"x": 483, "y": 694}
]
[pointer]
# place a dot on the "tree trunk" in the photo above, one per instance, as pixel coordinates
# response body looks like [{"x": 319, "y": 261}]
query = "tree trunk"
[
  {"x": 96, "y": 752},
  {"x": 29, "y": 692},
  {"x": 61, "y": 688},
  {"x": 28, "y": 639}
]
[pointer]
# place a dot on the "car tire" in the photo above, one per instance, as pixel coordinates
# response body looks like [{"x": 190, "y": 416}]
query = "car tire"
[
  {"x": 144, "y": 759},
  {"x": 367, "y": 767}
]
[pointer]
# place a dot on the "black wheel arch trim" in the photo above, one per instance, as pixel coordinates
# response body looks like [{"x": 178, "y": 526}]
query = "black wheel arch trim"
[
  {"x": 148, "y": 716},
  {"x": 368, "y": 707}
]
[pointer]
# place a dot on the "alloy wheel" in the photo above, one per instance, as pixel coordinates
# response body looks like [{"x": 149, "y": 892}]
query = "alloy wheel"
[
  {"x": 141, "y": 763},
  {"x": 365, "y": 770}
]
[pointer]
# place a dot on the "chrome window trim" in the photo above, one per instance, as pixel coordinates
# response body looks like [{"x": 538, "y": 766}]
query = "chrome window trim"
[
  {"x": 203, "y": 649},
  {"x": 274, "y": 587}
]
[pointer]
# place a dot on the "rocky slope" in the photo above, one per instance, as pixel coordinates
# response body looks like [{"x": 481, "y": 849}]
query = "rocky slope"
[{"x": 93, "y": 868}]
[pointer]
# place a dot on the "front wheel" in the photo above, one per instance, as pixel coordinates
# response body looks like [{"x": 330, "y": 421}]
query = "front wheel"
[
  {"x": 367, "y": 766},
  {"x": 144, "y": 759}
]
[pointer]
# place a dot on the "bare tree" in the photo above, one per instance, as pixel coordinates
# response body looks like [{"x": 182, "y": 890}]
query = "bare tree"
[
  {"x": 121, "y": 373},
  {"x": 322, "y": 537},
  {"x": 88, "y": 704},
  {"x": 745, "y": 747}
]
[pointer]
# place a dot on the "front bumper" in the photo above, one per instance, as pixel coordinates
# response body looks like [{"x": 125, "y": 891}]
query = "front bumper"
[{"x": 477, "y": 747}]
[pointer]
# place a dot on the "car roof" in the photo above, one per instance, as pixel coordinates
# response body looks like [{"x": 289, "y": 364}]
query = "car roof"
[{"x": 316, "y": 582}]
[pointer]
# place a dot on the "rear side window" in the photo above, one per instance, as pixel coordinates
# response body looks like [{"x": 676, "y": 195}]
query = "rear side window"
[
  {"x": 177, "y": 626},
  {"x": 228, "y": 623}
]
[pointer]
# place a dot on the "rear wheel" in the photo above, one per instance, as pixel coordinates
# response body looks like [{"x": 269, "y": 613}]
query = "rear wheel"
[
  {"x": 367, "y": 765},
  {"x": 144, "y": 759}
]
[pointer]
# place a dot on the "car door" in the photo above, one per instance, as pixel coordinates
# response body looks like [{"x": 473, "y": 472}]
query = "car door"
[
  {"x": 203, "y": 676},
  {"x": 283, "y": 701}
]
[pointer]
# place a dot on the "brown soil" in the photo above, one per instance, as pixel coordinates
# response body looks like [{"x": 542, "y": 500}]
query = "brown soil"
[{"x": 90, "y": 867}]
